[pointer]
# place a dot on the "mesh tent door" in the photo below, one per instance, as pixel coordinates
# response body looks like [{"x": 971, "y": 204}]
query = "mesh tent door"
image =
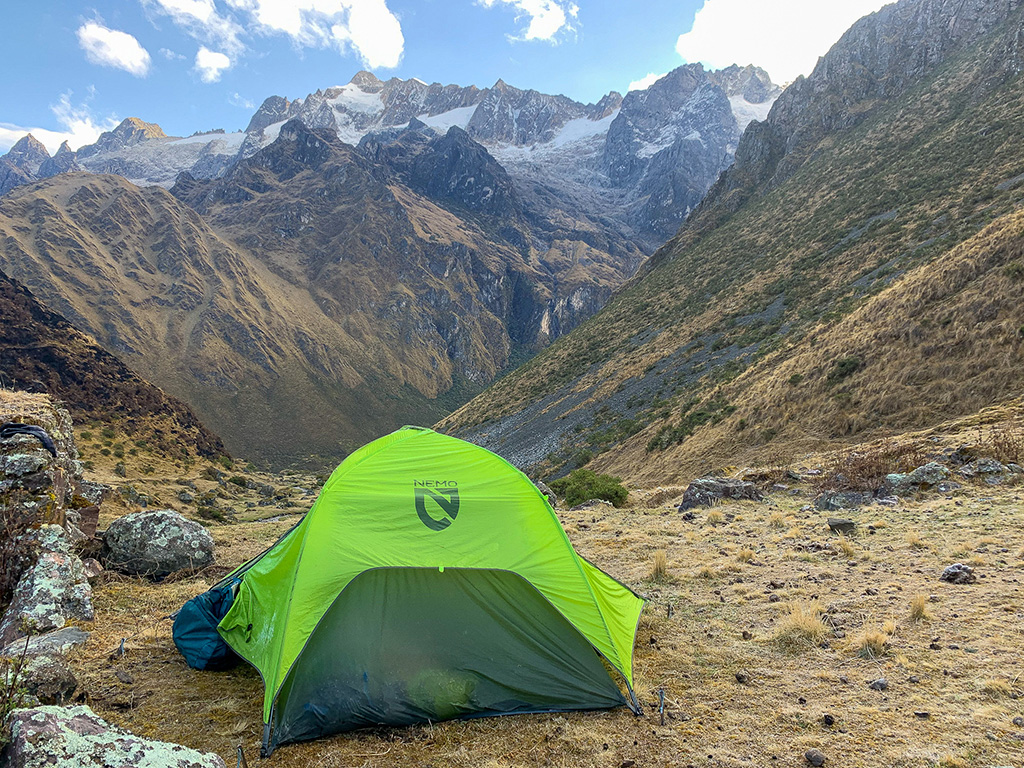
[{"x": 404, "y": 645}]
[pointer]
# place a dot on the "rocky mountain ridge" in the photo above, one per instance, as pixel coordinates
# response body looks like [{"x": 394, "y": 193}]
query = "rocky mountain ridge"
[{"x": 645, "y": 180}]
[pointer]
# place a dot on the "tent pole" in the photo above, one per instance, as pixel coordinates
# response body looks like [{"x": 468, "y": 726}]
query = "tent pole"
[
  {"x": 634, "y": 704},
  {"x": 265, "y": 750}
]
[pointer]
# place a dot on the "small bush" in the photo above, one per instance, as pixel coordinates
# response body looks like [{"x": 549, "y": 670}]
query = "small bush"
[
  {"x": 1014, "y": 270},
  {"x": 108, "y": 433},
  {"x": 237, "y": 480},
  {"x": 581, "y": 485},
  {"x": 842, "y": 368},
  {"x": 795, "y": 379},
  {"x": 866, "y": 471}
]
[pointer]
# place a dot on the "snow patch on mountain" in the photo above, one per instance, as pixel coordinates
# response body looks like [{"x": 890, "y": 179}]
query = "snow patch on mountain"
[
  {"x": 746, "y": 113},
  {"x": 458, "y": 117}
]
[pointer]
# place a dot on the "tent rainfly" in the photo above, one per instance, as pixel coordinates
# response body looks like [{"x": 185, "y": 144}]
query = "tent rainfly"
[{"x": 430, "y": 580}]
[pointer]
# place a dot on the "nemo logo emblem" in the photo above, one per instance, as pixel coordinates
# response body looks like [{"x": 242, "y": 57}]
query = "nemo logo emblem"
[{"x": 437, "y": 502}]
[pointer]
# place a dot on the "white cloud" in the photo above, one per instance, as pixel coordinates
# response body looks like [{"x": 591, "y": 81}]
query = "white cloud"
[
  {"x": 238, "y": 100},
  {"x": 646, "y": 81},
  {"x": 170, "y": 55},
  {"x": 202, "y": 21},
  {"x": 113, "y": 48},
  {"x": 785, "y": 37},
  {"x": 210, "y": 64},
  {"x": 78, "y": 124},
  {"x": 366, "y": 27},
  {"x": 546, "y": 17}
]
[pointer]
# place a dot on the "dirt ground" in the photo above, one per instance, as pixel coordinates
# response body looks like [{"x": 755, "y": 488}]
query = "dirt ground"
[{"x": 764, "y": 635}]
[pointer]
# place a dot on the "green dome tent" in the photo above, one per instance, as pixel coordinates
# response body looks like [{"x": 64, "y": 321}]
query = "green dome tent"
[{"x": 430, "y": 580}]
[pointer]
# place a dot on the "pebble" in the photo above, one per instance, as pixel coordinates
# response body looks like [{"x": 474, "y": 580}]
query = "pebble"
[
  {"x": 914, "y": 679},
  {"x": 922, "y": 714},
  {"x": 881, "y": 684},
  {"x": 1019, "y": 722},
  {"x": 747, "y": 635},
  {"x": 815, "y": 757},
  {"x": 827, "y": 719},
  {"x": 871, "y": 591}
]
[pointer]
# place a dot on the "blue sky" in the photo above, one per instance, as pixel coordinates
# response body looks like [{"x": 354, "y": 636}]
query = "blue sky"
[{"x": 199, "y": 64}]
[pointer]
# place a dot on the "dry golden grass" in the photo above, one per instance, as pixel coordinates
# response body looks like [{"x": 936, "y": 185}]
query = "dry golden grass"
[
  {"x": 777, "y": 520},
  {"x": 847, "y": 547},
  {"x": 919, "y": 608},
  {"x": 794, "y": 650},
  {"x": 801, "y": 628},
  {"x": 870, "y": 644},
  {"x": 745, "y": 555},
  {"x": 714, "y": 517},
  {"x": 659, "y": 566},
  {"x": 997, "y": 688},
  {"x": 915, "y": 541}
]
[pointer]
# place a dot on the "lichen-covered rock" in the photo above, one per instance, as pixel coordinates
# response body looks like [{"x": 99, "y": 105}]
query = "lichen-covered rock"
[
  {"x": 49, "y": 678},
  {"x": 51, "y": 593},
  {"x": 924, "y": 477},
  {"x": 709, "y": 491},
  {"x": 30, "y": 478},
  {"x": 929, "y": 474},
  {"x": 156, "y": 544},
  {"x": 75, "y": 737}
]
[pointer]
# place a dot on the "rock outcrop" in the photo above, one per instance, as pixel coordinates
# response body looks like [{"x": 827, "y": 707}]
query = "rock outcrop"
[
  {"x": 52, "y": 592},
  {"x": 711, "y": 491},
  {"x": 75, "y": 737}
]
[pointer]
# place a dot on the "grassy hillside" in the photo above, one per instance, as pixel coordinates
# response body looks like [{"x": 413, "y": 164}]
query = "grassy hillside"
[
  {"x": 864, "y": 278},
  {"x": 41, "y": 351}
]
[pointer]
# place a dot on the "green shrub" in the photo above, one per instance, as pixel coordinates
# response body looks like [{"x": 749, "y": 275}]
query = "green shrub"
[
  {"x": 581, "y": 485},
  {"x": 842, "y": 368},
  {"x": 795, "y": 379}
]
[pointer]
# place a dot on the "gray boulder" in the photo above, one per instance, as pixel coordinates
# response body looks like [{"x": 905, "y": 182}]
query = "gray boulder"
[
  {"x": 75, "y": 736},
  {"x": 832, "y": 501},
  {"x": 928, "y": 474},
  {"x": 842, "y": 525},
  {"x": 156, "y": 544},
  {"x": 59, "y": 641},
  {"x": 958, "y": 573},
  {"x": 52, "y": 592},
  {"x": 924, "y": 477},
  {"x": 991, "y": 471},
  {"x": 709, "y": 491}
]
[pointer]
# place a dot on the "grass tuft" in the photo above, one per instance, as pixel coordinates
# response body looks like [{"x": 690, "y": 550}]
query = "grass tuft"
[
  {"x": 801, "y": 628},
  {"x": 919, "y": 608},
  {"x": 659, "y": 566}
]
